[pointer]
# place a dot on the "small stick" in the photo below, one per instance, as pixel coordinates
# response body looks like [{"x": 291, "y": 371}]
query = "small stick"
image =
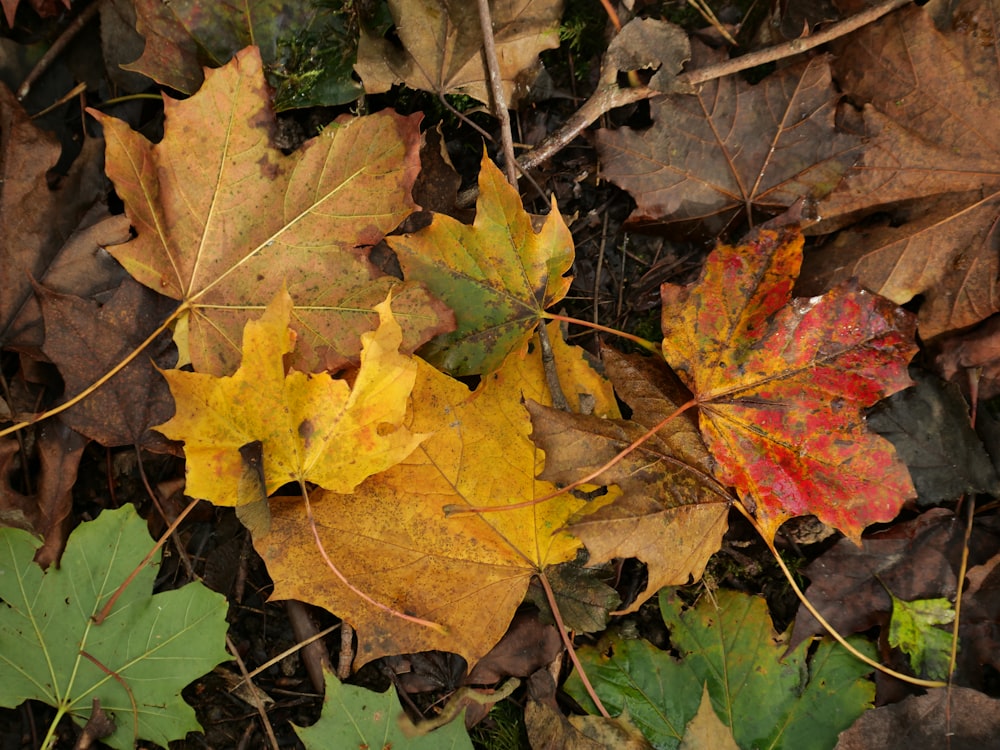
[
  {"x": 496, "y": 88},
  {"x": 346, "y": 657},
  {"x": 57, "y": 47},
  {"x": 254, "y": 697}
]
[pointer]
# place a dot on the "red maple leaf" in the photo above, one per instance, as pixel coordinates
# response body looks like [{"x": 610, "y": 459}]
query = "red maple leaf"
[{"x": 782, "y": 384}]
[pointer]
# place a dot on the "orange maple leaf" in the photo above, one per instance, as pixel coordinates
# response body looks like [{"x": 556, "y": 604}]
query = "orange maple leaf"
[
  {"x": 311, "y": 427},
  {"x": 392, "y": 539},
  {"x": 224, "y": 218},
  {"x": 782, "y": 384}
]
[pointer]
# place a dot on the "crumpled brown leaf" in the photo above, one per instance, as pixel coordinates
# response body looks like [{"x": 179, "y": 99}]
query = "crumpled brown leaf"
[
  {"x": 36, "y": 217},
  {"x": 932, "y": 165}
]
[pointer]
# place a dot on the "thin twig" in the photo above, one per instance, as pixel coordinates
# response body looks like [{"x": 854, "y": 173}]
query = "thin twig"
[
  {"x": 57, "y": 47},
  {"x": 496, "y": 88},
  {"x": 252, "y": 694},
  {"x": 315, "y": 656},
  {"x": 345, "y": 659},
  {"x": 610, "y": 96}
]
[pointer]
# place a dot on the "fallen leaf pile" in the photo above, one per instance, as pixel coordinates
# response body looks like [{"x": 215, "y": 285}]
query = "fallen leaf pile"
[{"x": 366, "y": 384}]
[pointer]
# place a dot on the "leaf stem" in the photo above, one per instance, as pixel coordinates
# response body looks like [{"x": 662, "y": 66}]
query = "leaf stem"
[
  {"x": 649, "y": 346},
  {"x": 336, "y": 571},
  {"x": 106, "y": 609},
  {"x": 118, "y": 678},
  {"x": 570, "y": 650},
  {"x": 822, "y": 620}
]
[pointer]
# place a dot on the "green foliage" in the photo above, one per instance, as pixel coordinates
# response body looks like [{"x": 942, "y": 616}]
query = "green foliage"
[
  {"x": 912, "y": 630},
  {"x": 314, "y": 64},
  {"x": 136, "y": 662},
  {"x": 798, "y": 701},
  {"x": 354, "y": 717},
  {"x": 503, "y": 729}
]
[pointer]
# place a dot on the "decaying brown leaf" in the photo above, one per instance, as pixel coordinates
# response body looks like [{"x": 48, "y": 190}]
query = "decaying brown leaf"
[
  {"x": 36, "y": 218},
  {"x": 933, "y": 163},
  {"x": 732, "y": 149},
  {"x": 671, "y": 513},
  {"x": 86, "y": 340}
]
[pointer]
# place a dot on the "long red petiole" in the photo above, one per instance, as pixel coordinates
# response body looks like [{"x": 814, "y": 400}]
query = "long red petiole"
[
  {"x": 336, "y": 571},
  {"x": 106, "y": 609},
  {"x": 456, "y": 510},
  {"x": 649, "y": 346}
]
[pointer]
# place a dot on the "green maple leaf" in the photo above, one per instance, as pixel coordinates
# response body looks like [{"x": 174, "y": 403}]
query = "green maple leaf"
[{"x": 135, "y": 663}]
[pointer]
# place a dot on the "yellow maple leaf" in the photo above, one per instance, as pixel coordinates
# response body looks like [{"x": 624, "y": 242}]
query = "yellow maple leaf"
[
  {"x": 312, "y": 428},
  {"x": 392, "y": 539}
]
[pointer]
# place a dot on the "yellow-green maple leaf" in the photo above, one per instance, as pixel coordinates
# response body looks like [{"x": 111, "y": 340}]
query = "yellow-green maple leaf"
[{"x": 498, "y": 275}]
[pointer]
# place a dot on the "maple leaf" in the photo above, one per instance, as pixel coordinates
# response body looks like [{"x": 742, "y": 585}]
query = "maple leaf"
[
  {"x": 442, "y": 47},
  {"x": 185, "y": 34},
  {"x": 782, "y": 384},
  {"x": 392, "y": 539},
  {"x": 671, "y": 513},
  {"x": 498, "y": 275},
  {"x": 311, "y": 427},
  {"x": 932, "y": 164},
  {"x": 731, "y": 148},
  {"x": 222, "y": 232}
]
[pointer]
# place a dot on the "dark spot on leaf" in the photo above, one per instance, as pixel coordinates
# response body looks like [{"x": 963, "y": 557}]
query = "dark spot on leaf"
[{"x": 306, "y": 429}]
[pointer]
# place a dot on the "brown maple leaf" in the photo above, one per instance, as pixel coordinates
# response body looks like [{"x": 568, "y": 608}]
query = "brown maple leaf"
[
  {"x": 782, "y": 384},
  {"x": 932, "y": 166},
  {"x": 732, "y": 149},
  {"x": 671, "y": 513}
]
